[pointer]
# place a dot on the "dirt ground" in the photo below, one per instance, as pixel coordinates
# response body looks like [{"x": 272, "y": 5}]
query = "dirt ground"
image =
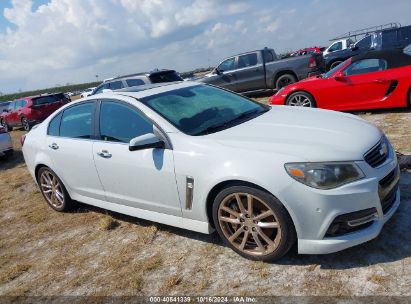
[{"x": 94, "y": 252}]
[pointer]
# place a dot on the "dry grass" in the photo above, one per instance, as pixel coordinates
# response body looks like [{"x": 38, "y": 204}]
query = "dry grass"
[{"x": 94, "y": 252}]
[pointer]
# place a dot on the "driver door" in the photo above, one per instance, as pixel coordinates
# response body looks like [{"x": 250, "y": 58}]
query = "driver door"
[
  {"x": 143, "y": 179},
  {"x": 227, "y": 78}
]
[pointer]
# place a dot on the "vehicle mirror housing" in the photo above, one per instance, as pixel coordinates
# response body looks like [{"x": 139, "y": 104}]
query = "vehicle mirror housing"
[
  {"x": 146, "y": 141},
  {"x": 354, "y": 48},
  {"x": 339, "y": 76},
  {"x": 217, "y": 71}
]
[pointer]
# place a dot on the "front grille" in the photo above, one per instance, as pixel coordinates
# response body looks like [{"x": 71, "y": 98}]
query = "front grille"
[
  {"x": 377, "y": 154},
  {"x": 386, "y": 181}
]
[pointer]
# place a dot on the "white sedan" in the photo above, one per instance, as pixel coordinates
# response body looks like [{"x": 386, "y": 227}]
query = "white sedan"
[
  {"x": 6, "y": 146},
  {"x": 202, "y": 158},
  {"x": 87, "y": 92}
]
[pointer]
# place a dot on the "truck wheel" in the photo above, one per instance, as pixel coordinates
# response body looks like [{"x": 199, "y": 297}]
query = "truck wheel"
[
  {"x": 284, "y": 80},
  {"x": 300, "y": 99},
  {"x": 334, "y": 64}
]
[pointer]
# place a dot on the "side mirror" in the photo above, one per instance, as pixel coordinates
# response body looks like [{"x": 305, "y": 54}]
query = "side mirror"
[
  {"x": 354, "y": 48},
  {"x": 340, "y": 76},
  {"x": 216, "y": 71},
  {"x": 146, "y": 141}
]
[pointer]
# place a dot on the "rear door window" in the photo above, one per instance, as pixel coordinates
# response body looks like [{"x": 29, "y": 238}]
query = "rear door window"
[
  {"x": 54, "y": 126},
  {"x": 364, "y": 43},
  {"x": 134, "y": 82},
  {"x": 247, "y": 60},
  {"x": 76, "y": 121}
]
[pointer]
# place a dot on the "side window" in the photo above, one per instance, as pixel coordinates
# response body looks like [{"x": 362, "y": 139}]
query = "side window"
[
  {"x": 134, "y": 82},
  {"x": 54, "y": 126},
  {"x": 227, "y": 65},
  {"x": 389, "y": 39},
  {"x": 121, "y": 123},
  {"x": 365, "y": 66},
  {"x": 247, "y": 60},
  {"x": 23, "y": 103},
  {"x": 76, "y": 121},
  {"x": 364, "y": 43},
  {"x": 116, "y": 85},
  {"x": 335, "y": 47},
  {"x": 101, "y": 88},
  {"x": 20, "y": 103}
]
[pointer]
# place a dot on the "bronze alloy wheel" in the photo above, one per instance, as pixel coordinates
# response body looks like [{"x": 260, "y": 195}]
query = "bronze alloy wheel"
[
  {"x": 52, "y": 189},
  {"x": 249, "y": 224}
]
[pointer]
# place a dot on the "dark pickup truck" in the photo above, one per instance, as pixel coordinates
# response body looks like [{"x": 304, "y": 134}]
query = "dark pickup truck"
[
  {"x": 262, "y": 70},
  {"x": 379, "y": 40}
]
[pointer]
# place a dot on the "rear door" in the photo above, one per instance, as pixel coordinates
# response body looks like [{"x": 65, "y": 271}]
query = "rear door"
[
  {"x": 226, "y": 78},
  {"x": 70, "y": 145},
  {"x": 249, "y": 74},
  {"x": 12, "y": 117}
]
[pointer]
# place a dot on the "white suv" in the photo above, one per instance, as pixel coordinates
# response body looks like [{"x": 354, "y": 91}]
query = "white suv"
[{"x": 202, "y": 158}]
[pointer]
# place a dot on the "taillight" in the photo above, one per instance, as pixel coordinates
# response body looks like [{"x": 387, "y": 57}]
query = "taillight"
[
  {"x": 312, "y": 63},
  {"x": 22, "y": 139}
]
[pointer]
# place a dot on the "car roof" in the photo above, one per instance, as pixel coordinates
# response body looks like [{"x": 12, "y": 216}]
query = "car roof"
[
  {"x": 395, "y": 57},
  {"x": 154, "y": 72},
  {"x": 39, "y": 95},
  {"x": 150, "y": 89}
]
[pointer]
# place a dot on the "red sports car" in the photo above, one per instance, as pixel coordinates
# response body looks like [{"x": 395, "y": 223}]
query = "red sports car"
[{"x": 377, "y": 79}]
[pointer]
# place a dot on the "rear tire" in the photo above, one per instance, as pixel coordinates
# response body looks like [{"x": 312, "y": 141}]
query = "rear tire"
[
  {"x": 301, "y": 99},
  {"x": 285, "y": 80},
  {"x": 253, "y": 223},
  {"x": 25, "y": 124},
  {"x": 53, "y": 190},
  {"x": 6, "y": 126}
]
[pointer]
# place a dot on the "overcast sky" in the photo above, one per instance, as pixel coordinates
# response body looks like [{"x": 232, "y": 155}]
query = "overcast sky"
[{"x": 44, "y": 43}]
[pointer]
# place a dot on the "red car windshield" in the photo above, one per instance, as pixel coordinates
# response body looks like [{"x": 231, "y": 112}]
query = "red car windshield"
[{"x": 333, "y": 70}]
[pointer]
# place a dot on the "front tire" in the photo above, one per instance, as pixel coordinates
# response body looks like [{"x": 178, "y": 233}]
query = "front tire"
[
  {"x": 300, "y": 99},
  {"x": 6, "y": 126},
  {"x": 253, "y": 223},
  {"x": 53, "y": 190},
  {"x": 285, "y": 80}
]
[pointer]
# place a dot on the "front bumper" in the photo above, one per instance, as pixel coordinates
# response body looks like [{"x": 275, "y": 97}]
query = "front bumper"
[{"x": 314, "y": 211}]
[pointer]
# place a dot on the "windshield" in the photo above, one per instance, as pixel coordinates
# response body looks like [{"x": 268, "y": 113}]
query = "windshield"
[
  {"x": 332, "y": 71},
  {"x": 168, "y": 76},
  {"x": 202, "y": 109}
]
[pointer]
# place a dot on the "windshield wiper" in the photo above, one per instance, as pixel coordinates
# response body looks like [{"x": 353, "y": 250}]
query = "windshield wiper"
[{"x": 221, "y": 126}]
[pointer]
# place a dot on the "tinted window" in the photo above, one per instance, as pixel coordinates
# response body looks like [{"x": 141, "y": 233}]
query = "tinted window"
[
  {"x": 116, "y": 85},
  {"x": 247, "y": 60},
  {"x": 335, "y": 47},
  {"x": 168, "y": 76},
  {"x": 364, "y": 43},
  {"x": 227, "y": 65},
  {"x": 12, "y": 106},
  {"x": 366, "y": 66},
  {"x": 202, "y": 109},
  {"x": 20, "y": 104},
  {"x": 4, "y": 105},
  {"x": 48, "y": 99},
  {"x": 389, "y": 39},
  {"x": 121, "y": 123},
  {"x": 405, "y": 33},
  {"x": 134, "y": 82},
  {"x": 54, "y": 126},
  {"x": 269, "y": 56},
  {"x": 101, "y": 88},
  {"x": 76, "y": 121}
]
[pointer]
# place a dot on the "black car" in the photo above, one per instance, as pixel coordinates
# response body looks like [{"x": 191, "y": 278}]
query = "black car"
[
  {"x": 397, "y": 37},
  {"x": 139, "y": 79}
]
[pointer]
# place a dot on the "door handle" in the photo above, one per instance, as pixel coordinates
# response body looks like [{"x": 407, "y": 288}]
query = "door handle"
[
  {"x": 104, "y": 154},
  {"x": 229, "y": 74},
  {"x": 54, "y": 146}
]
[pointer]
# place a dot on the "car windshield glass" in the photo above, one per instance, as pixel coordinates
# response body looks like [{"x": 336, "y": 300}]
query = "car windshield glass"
[
  {"x": 48, "y": 99},
  {"x": 333, "y": 70},
  {"x": 202, "y": 109}
]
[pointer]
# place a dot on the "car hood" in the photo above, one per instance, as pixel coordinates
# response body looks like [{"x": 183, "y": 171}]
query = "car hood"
[{"x": 304, "y": 133}]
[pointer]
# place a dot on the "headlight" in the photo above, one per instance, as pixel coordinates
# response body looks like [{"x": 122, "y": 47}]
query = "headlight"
[{"x": 324, "y": 175}]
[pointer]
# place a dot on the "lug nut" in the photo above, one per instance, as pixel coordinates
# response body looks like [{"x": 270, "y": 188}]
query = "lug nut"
[
  {"x": 255, "y": 222},
  {"x": 245, "y": 228},
  {"x": 254, "y": 229}
]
